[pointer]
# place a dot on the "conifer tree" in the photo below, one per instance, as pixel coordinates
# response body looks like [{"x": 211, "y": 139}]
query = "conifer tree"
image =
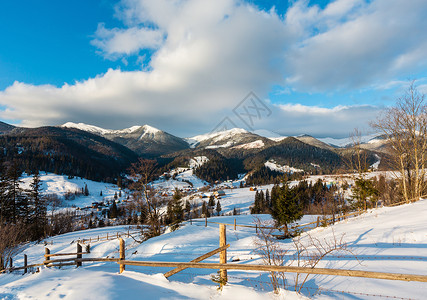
[
  {"x": 287, "y": 208},
  {"x": 267, "y": 201},
  {"x": 13, "y": 194},
  {"x": 38, "y": 203},
  {"x": 205, "y": 210},
  {"x": 86, "y": 191},
  {"x": 218, "y": 207},
  {"x": 175, "y": 212},
  {"x": 113, "y": 211},
  {"x": 187, "y": 207},
  {"x": 211, "y": 201}
]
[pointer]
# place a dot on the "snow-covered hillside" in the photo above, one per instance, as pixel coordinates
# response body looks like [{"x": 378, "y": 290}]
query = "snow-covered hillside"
[
  {"x": 386, "y": 240},
  {"x": 65, "y": 188},
  {"x": 272, "y": 165}
]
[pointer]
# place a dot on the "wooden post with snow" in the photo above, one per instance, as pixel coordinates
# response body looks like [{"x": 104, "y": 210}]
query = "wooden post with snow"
[
  {"x": 79, "y": 255},
  {"x": 46, "y": 255},
  {"x": 122, "y": 254},
  {"x": 234, "y": 224},
  {"x": 206, "y": 221},
  {"x": 25, "y": 263},
  {"x": 223, "y": 254}
]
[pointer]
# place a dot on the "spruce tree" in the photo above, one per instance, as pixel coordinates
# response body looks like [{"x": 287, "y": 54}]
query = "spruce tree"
[
  {"x": 261, "y": 202},
  {"x": 38, "y": 217},
  {"x": 218, "y": 207},
  {"x": 187, "y": 207},
  {"x": 211, "y": 201},
  {"x": 287, "y": 208},
  {"x": 205, "y": 210},
  {"x": 113, "y": 211},
  {"x": 3, "y": 198},
  {"x": 267, "y": 202},
  {"x": 13, "y": 195}
]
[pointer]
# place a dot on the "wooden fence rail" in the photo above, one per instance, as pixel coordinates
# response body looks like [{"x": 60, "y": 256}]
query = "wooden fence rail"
[
  {"x": 109, "y": 236},
  {"x": 318, "y": 222},
  {"x": 285, "y": 269},
  {"x": 223, "y": 266}
]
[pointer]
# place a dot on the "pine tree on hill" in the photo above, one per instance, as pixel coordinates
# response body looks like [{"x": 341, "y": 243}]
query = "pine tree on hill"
[
  {"x": 38, "y": 217},
  {"x": 211, "y": 201},
  {"x": 286, "y": 208},
  {"x": 113, "y": 211},
  {"x": 86, "y": 191},
  {"x": 218, "y": 207}
]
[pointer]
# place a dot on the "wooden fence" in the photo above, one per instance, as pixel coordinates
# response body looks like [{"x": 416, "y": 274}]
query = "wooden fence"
[
  {"x": 109, "y": 237},
  {"x": 223, "y": 266},
  {"x": 306, "y": 226}
]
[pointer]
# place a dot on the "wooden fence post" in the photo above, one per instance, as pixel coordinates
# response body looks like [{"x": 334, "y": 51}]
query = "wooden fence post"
[
  {"x": 256, "y": 228},
  {"x": 79, "y": 255},
  {"x": 107, "y": 236},
  {"x": 46, "y": 252},
  {"x": 11, "y": 263},
  {"x": 122, "y": 254},
  {"x": 234, "y": 224},
  {"x": 318, "y": 221},
  {"x": 223, "y": 254},
  {"x": 206, "y": 221},
  {"x": 25, "y": 263}
]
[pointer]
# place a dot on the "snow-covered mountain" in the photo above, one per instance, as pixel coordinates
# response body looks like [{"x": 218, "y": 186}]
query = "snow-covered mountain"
[
  {"x": 314, "y": 142},
  {"x": 144, "y": 140},
  {"x": 232, "y": 138},
  {"x": 372, "y": 142},
  {"x": 4, "y": 127},
  {"x": 99, "y": 130}
]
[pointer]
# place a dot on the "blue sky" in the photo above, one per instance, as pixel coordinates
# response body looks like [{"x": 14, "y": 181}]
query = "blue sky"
[{"x": 323, "y": 67}]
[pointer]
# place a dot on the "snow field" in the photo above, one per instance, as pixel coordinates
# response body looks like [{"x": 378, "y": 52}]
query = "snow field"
[
  {"x": 61, "y": 185},
  {"x": 391, "y": 239}
]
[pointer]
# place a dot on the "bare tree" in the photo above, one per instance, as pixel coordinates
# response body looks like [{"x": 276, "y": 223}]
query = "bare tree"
[
  {"x": 405, "y": 127},
  {"x": 309, "y": 251},
  {"x": 357, "y": 160},
  {"x": 270, "y": 252},
  {"x": 10, "y": 236},
  {"x": 314, "y": 250},
  {"x": 143, "y": 172}
]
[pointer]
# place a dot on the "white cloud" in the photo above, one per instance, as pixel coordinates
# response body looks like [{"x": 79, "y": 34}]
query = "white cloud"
[
  {"x": 114, "y": 42},
  {"x": 376, "y": 42},
  {"x": 213, "y": 54},
  {"x": 210, "y": 54},
  {"x": 337, "y": 121}
]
